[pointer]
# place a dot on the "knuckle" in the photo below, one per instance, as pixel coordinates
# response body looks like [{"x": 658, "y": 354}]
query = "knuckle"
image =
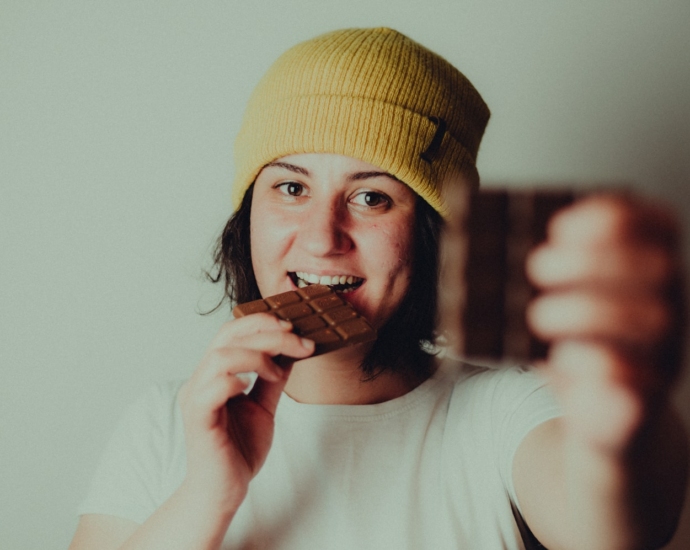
[
  {"x": 234, "y": 385},
  {"x": 191, "y": 403},
  {"x": 616, "y": 216},
  {"x": 607, "y": 357},
  {"x": 288, "y": 339},
  {"x": 226, "y": 329},
  {"x": 219, "y": 356}
]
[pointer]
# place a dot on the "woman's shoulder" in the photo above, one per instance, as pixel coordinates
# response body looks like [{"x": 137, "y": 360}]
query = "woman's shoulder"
[
  {"x": 155, "y": 405},
  {"x": 490, "y": 383},
  {"x": 161, "y": 393}
]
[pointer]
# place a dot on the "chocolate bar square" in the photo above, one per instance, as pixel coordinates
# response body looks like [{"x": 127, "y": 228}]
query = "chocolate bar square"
[{"x": 318, "y": 313}]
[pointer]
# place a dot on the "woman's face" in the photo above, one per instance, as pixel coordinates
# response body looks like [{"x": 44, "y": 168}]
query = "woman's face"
[{"x": 337, "y": 221}]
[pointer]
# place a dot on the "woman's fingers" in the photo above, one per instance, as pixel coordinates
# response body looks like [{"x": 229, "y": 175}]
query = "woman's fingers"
[
  {"x": 252, "y": 352},
  {"x": 609, "y": 270},
  {"x": 280, "y": 343},
  {"x": 631, "y": 319},
  {"x": 614, "y": 219},
  {"x": 202, "y": 402},
  {"x": 249, "y": 348},
  {"x": 609, "y": 273},
  {"x": 605, "y": 240},
  {"x": 595, "y": 382},
  {"x": 632, "y": 267},
  {"x": 206, "y": 393},
  {"x": 268, "y": 394},
  {"x": 238, "y": 329},
  {"x": 233, "y": 361}
]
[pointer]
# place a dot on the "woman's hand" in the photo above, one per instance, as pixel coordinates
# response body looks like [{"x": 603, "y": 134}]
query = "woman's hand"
[
  {"x": 228, "y": 433},
  {"x": 611, "y": 472},
  {"x": 613, "y": 309}
]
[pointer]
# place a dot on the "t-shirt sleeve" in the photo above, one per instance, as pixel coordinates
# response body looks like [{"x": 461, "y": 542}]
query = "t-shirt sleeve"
[
  {"x": 131, "y": 480},
  {"x": 521, "y": 401},
  {"x": 496, "y": 408}
]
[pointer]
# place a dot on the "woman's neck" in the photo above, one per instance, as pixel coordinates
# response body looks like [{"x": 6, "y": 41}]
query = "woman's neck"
[{"x": 336, "y": 379}]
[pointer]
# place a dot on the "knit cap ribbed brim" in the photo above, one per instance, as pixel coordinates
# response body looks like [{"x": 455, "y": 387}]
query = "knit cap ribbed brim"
[{"x": 372, "y": 94}]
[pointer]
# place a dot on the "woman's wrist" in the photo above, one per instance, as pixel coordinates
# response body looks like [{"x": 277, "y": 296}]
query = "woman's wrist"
[
  {"x": 219, "y": 508},
  {"x": 185, "y": 521}
]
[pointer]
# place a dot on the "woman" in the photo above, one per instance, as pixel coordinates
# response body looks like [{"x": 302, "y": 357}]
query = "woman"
[{"x": 342, "y": 158}]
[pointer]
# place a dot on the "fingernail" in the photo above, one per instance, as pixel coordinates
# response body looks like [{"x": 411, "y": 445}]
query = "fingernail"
[
  {"x": 247, "y": 378},
  {"x": 307, "y": 343},
  {"x": 285, "y": 324}
]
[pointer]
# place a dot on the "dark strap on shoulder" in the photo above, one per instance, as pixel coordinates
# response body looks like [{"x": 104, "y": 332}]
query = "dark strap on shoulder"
[{"x": 528, "y": 538}]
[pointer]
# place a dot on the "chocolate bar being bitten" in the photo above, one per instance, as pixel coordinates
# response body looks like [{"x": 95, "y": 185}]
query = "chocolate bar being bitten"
[
  {"x": 484, "y": 290},
  {"x": 318, "y": 313}
]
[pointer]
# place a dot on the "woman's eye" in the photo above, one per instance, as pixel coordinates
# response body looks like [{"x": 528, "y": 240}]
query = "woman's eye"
[
  {"x": 292, "y": 188},
  {"x": 371, "y": 199}
]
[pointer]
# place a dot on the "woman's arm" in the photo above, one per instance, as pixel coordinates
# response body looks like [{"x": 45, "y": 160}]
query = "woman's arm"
[
  {"x": 228, "y": 434},
  {"x": 575, "y": 497},
  {"x": 611, "y": 473},
  {"x": 183, "y": 522},
  {"x": 102, "y": 531}
]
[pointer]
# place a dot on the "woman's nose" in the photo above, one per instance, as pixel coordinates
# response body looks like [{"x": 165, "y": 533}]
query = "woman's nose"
[{"x": 324, "y": 231}]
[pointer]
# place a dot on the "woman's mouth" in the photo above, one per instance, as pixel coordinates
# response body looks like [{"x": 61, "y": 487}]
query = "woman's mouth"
[{"x": 339, "y": 283}]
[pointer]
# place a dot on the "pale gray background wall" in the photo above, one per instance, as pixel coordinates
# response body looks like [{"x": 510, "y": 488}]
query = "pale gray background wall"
[{"x": 117, "y": 120}]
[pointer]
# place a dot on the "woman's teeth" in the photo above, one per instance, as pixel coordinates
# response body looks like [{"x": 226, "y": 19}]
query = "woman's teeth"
[{"x": 347, "y": 282}]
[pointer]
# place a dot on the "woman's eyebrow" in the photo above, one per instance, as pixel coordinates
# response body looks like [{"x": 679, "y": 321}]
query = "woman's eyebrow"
[
  {"x": 356, "y": 176},
  {"x": 372, "y": 174},
  {"x": 291, "y": 167}
]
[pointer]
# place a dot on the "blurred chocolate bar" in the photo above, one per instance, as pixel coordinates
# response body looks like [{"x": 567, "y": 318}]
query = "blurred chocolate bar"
[
  {"x": 484, "y": 291},
  {"x": 318, "y": 313}
]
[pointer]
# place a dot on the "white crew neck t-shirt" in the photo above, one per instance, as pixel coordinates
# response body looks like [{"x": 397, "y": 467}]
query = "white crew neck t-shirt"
[{"x": 430, "y": 469}]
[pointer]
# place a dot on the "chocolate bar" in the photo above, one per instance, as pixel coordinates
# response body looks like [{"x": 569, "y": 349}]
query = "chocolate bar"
[
  {"x": 318, "y": 313},
  {"x": 484, "y": 290}
]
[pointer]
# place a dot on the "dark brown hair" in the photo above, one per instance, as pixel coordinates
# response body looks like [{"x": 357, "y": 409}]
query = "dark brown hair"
[{"x": 403, "y": 342}]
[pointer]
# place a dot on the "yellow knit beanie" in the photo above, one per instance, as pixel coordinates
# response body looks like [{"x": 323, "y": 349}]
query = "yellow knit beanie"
[{"x": 372, "y": 94}]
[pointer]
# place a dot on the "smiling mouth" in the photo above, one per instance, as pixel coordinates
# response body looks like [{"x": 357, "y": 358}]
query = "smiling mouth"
[{"x": 339, "y": 283}]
